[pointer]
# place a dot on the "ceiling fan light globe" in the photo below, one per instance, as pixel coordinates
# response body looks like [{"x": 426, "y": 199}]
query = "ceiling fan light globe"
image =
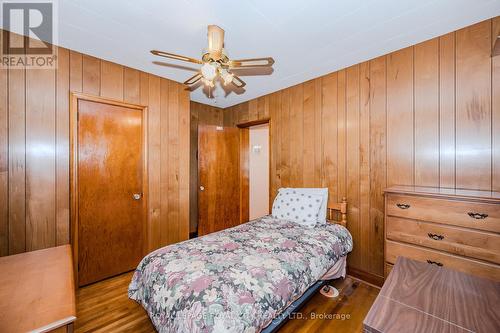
[
  {"x": 226, "y": 76},
  {"x": 208, "y": 83},
  {"x": 209, "y": 71}
]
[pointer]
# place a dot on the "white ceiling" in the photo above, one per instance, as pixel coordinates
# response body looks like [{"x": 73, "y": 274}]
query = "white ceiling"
[{"x": 307, "y": 38}]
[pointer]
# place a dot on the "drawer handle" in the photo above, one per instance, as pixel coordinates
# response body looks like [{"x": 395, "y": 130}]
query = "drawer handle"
[
  {"x": 477, "y": 216},
  {"x": 403, "y": 206},
  {"x": 435, "y": 236},
  {"x": 437, "y": 263}
]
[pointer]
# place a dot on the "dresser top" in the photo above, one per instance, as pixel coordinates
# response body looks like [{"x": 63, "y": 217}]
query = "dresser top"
[
  {"x": 436, "y": 299},
  {"x": 444, "y": 192},
  {"x": 37, "y": 290}
]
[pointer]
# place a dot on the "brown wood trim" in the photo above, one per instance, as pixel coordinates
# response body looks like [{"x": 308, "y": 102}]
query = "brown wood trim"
[
  {"x": 370, "y": 278},
  {"x": 254, "y": 123},
  {"x": 244, "y": 166},
  {"x": 73, "y": 133},
  {"x": 244, "y": 175},
  {"x": 271, "y": 158},
  {"x": 105, "y": 100}
]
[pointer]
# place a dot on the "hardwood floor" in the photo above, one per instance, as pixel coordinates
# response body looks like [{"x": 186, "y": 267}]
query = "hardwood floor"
[
  {"x": 105, "y": 307},
  {"x": 353, "y": 303}
]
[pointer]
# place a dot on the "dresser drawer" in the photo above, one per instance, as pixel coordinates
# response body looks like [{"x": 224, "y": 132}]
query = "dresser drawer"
[
  {"x": 470, "y": 214},
  {"x": 395, "y": 249},
  {"x": 464, "y": 242}
]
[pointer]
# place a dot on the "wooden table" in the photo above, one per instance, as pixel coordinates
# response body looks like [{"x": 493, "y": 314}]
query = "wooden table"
[
  {"x": 419, "y": 297},
  {"x": 37, "y": 291}
]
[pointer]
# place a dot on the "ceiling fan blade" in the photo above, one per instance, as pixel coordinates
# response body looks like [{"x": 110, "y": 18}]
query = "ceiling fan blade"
[
  {"x": 175, "y": 56},
  {"x": 256, "y": 62},
  {"x": 193, "y": 79},
  {"x": 215, "y": 36},
  {"x": 239, "y": 83}
]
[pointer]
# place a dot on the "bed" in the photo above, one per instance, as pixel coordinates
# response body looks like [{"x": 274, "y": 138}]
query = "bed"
[{"x": 240, "y": 279}]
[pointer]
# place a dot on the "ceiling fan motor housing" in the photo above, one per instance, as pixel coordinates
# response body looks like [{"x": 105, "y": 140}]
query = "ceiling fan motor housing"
[{"x": 220, "y": 57}]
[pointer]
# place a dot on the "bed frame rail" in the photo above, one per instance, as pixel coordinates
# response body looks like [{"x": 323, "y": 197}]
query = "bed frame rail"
[{"x": 337, "y": 212}]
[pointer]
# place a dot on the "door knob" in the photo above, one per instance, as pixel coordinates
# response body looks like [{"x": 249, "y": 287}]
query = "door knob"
[
  {"x": 202, "y": 188},
  {"x": 137, "y": 196}
]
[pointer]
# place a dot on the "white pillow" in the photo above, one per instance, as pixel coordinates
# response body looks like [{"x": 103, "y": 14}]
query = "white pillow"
[
  {"x": 300, "y": 208},
  {"x": 323, "y": 192}
]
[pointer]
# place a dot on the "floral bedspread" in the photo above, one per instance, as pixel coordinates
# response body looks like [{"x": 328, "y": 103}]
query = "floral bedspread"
[{"x": 238, "y": 279}]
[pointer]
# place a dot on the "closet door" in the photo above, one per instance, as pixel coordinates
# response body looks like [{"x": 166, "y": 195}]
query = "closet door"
[
  {"x": 110, "y": 189},
  {"x": 219, "y": 199}
]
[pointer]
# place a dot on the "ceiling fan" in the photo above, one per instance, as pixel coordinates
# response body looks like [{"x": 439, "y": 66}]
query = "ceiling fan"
[{"x": 216, "y": 63}]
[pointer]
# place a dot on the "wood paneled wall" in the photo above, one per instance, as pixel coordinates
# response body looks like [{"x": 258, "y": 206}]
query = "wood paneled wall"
[
  {"x": 34, "y": 148},
  {"x": 201, "y": 114},
  {"x": 424, "y": 115}
]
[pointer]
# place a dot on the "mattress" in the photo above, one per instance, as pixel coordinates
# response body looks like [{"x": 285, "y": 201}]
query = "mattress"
[
  {"x": 238, "y": 279},
  {"x": 338, "y": 270}
]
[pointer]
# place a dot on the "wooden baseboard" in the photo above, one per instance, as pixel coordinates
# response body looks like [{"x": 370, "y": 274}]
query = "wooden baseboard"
[{"x": 371, "y": 278}]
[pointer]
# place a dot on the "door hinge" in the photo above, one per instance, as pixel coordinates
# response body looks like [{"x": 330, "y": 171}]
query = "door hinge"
[{"x": 78, "y": 116}]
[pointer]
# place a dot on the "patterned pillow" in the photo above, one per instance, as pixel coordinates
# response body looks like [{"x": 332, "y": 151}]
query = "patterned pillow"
[
  {"x": 323, "y": 192},
  {"x": 297, "y": 207}
]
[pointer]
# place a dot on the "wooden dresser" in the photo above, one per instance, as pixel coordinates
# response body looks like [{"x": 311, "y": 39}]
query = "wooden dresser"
[
  {"x": 458, "y": 229},
  {"x": 37, "y": 291}
]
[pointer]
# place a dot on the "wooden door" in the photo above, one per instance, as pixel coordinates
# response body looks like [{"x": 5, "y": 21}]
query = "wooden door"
[
  {"x": 219, "y": 178},
  {"x": 110, "y": 190}
]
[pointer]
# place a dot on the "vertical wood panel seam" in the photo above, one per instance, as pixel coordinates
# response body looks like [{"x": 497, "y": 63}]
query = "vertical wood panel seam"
[
  {"x": 54, "y": 141},
  {"x": 345, "y": 134},
  {"x": 360, "y": 162},
  {"x": 25, "y": 161},
  {"x": 122, "y": 70},
  {"x": 55, "y": 154},
  {"x": 455, "y": 105},
  {"x": 339, "y": 194},
  {"x": 369, "y": 148},
  {"x": 492, "y": 152},
  {"x": 360, "y": 209},
  {"x": 414, "y": 169},
  {"x": 7, "y": 199},
  {"x": 439, "y": 109},
  {"x": 123, "y": 82},
  {"x": 369, "y": 140},
  {"x": 100, "y": 77},
  {"x": 386, "y": 128},
  {"x": 161, "y": 166},
  {"x": 69, "y": 149}
]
